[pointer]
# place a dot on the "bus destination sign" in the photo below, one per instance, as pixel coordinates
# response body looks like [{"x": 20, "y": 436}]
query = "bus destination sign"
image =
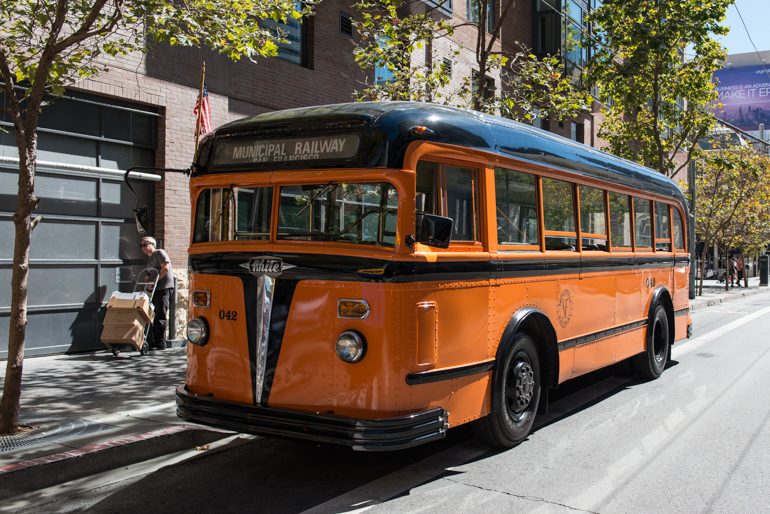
[{"x": 290, "y": 149}]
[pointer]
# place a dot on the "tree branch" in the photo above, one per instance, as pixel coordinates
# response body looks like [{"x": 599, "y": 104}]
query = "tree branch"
[
  {"x": 84, "y": 32},
  {"x": 10, "y": 94}
]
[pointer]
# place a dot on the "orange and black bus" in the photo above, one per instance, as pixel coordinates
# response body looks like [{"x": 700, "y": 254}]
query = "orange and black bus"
[{"x": 372, "y": 274}]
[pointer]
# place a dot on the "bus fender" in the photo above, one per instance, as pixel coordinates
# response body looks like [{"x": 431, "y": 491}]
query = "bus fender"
[
  {"x": 536, "y": 324},
  {"x": 663, "y": 297}
]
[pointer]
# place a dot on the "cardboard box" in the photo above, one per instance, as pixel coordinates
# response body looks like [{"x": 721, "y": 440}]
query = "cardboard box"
[
  {"x": 125, "y": 317},
  {"x": 142, "y": 305},
  {"x": 124, "y": 334}
]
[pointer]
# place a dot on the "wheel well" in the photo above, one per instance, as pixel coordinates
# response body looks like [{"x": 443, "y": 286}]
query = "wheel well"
[
  {"x": 663, "y": 297},
  {"x": 536, "y": 324}
]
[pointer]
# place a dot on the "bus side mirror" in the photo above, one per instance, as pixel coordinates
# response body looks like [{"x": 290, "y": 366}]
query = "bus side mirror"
[
  {"x": 435, "y": 231},
  {"x": 141, "y": 219}
]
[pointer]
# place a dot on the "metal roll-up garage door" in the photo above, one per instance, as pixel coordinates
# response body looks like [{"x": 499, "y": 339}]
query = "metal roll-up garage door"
[{"x": 87, "y": 245}]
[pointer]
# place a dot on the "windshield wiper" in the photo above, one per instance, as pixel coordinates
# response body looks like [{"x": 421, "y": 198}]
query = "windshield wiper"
[
  {"x": 328, "y": 188},
  {"x": 226, "y": 205}
]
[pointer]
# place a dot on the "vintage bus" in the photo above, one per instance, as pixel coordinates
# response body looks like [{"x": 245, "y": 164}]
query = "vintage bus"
[{"x": 372, "y": 274}]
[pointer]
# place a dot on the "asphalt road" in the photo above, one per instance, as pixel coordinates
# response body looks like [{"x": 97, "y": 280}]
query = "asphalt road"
[{"x": 695, "y": 440}]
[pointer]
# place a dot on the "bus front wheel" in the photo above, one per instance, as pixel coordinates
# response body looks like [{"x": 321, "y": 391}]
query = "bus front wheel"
[
  {"x": 649, "y": 364},
  {"x": 515, "y": 395}
]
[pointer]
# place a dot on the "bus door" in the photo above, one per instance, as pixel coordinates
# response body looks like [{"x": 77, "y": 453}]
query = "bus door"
[{"x": 451, "y": 287}]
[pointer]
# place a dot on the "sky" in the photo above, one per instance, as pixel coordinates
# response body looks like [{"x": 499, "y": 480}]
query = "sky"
[{"x": 755, "y": 14}]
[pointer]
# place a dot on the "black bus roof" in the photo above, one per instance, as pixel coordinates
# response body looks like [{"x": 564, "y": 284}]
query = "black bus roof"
[{"x": 386, "y": 131}]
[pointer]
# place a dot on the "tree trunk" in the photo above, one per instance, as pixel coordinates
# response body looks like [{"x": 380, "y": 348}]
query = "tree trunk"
[
  {"x": 727, "y": 270},
  {"x": 745, "y": 272},
  {"x": 22, "y": 218},
  {"x": 702, "y": 269}
]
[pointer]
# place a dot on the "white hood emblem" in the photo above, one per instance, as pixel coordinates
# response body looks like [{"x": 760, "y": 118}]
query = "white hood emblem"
[{"x": 270, "y": 266}]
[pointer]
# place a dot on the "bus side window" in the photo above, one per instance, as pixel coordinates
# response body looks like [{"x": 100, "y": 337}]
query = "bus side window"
[
  {"x": 559, "y": 215},
  {"x": 593, "y": 218},
  {"x": 516, "y": 207},
  {"x": 662, "y": 231},
  {"x": 642, "y": 224},
  {"x": 460, "y": 198},
  {"x": 678, "y": 231},
  {"x": 620, "y": 221},
  {"x": 427, "y": 173}
]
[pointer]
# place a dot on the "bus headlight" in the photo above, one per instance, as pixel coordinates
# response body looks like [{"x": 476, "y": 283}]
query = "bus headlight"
[
  {"x": 350, "y": 346},
  {"x": 198, "y": 331}
]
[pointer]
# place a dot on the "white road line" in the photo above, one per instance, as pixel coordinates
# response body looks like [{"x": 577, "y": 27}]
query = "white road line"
[{"x": 694, "y": 344}]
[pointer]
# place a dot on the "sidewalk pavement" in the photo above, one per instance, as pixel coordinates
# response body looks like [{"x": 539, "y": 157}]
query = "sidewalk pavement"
[
  {"x": 95, "y": 412},
  {"x": 715, "y": 294}
]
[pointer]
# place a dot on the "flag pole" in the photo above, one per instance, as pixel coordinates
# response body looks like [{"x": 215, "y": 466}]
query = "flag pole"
[{"x": 200, "y": 112}]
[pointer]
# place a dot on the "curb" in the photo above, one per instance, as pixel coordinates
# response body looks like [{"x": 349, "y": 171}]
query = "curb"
[
  {"x": 727, "y": 298},
  {"x": 51, "y": 470}
]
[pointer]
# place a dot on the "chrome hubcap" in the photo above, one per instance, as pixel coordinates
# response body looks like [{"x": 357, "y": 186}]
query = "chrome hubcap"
[{"x": 521, "y": 387}]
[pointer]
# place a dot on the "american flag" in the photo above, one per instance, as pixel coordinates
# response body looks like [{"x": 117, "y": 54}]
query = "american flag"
[{"x": 205, "y": 116}]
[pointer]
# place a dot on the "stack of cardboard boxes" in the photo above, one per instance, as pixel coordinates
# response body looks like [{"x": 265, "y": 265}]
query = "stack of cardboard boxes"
[{"x": 126, "y": 319}]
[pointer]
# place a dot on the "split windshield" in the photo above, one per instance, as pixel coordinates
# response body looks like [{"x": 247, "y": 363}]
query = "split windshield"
[{"x": 364, "y": 213}]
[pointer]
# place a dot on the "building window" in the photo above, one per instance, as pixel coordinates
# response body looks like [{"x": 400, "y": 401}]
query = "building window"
[
  {"x": 295, "y": 33},
  {"x": 474, "y": 13},
  {"x": 346, "y": 25},
  {"x": 563, "y": 32},
  {"x": 547, "y": 28},
  {"x": 489, "y": 87},
  {"x": 447, "y": 67},
  {"x": 576, "y": 132}
]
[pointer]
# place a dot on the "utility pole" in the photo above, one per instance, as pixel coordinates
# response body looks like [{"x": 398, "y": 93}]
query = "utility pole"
[{"x": 691, "y": 226}]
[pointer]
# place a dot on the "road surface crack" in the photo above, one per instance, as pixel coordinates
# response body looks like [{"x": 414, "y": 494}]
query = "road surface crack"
[{"x": 523, "y": 497}]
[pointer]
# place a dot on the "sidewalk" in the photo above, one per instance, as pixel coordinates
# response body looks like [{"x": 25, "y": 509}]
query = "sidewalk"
[
  {"x": 714, "y": 293},
  {"x": 95, "y": 412}
]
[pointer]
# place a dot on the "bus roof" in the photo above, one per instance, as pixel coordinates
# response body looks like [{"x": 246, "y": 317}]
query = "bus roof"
[{"x": 385, "y": 129}]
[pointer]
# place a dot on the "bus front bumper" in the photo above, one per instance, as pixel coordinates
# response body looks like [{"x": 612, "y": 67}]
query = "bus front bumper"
[{"x": 359, "y": 434}]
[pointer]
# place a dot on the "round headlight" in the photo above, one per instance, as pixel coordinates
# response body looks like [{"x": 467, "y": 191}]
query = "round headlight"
[
  {"x": 350, "y": 346},
  {"x": 198, "y": 331}
]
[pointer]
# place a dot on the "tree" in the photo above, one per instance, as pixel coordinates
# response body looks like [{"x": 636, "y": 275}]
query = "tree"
[
  {"x": 46, "y": 44},
  {"x": 749, "y": 229},
  {"x": 657, "y": 101},
  {"x": 391, "y": 41},
  {"x": 731, "y": 188}
]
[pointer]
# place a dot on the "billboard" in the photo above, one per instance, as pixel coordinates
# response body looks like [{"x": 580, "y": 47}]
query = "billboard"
[{"x": 744, "y": 93}]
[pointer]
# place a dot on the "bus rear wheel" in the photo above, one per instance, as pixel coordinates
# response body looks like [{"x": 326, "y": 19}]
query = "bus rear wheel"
[
  {"x": 515, "y": 395},
  {"x": 650, "y": 364}
]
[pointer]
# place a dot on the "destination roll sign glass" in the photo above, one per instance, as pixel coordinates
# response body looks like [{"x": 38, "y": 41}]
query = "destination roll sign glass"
[{"x": 289, "y": 149}]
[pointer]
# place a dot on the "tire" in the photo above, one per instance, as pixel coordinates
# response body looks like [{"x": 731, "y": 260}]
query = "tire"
[
  {"x": 515, "y": 396},
  {"x": 650, "y": 364},
  {"x": 145, "y": 349}
]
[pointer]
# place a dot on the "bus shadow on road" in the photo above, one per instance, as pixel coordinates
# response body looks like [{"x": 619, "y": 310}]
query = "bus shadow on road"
[{"x": 277, "y": 475}]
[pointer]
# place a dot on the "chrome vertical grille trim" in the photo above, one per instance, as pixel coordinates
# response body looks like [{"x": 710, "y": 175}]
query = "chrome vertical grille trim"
[{"x": 265, "y": 291}]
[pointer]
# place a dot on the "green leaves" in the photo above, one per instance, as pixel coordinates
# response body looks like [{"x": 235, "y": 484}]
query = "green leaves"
[
  {"x": 657, "y": 99},
  {"x": 732, "y": 191},
  {"x": 525, "y": 85}
]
